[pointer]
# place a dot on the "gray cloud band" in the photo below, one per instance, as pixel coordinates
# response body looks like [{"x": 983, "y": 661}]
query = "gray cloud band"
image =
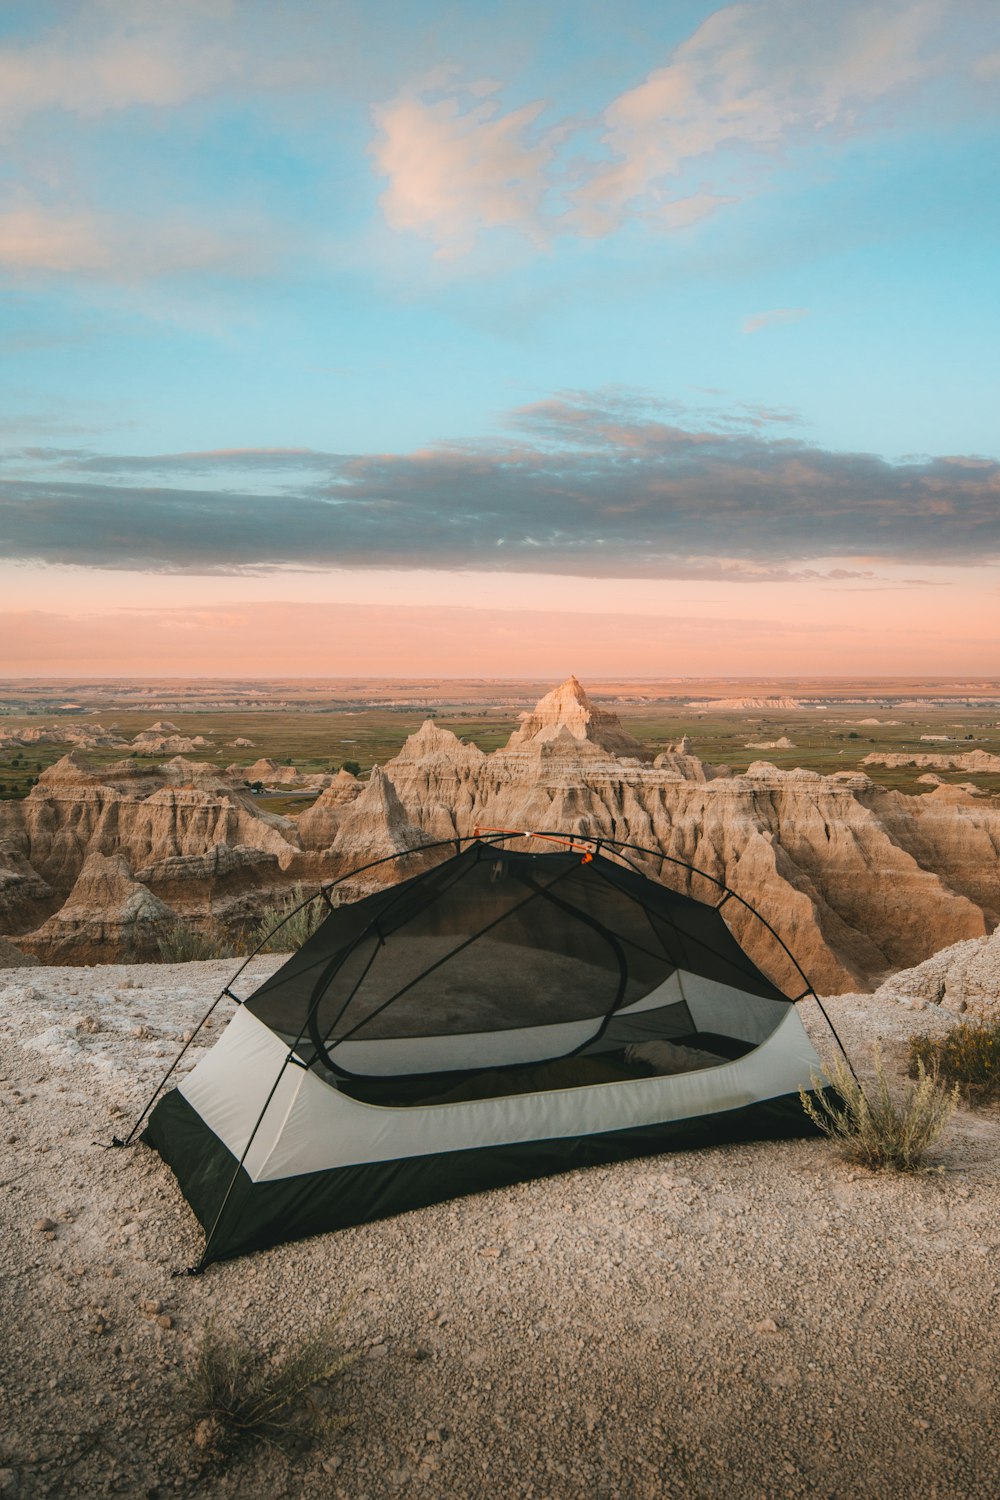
[{"x": 585, "y": 488}]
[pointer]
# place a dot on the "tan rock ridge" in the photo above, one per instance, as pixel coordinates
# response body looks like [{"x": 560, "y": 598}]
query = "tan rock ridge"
[
  {"x": 857, "y": 879},
  {"x": 317, "y": 826},
  {"x": 747, "y": 705},
  {"x": 175, "y": 833}
]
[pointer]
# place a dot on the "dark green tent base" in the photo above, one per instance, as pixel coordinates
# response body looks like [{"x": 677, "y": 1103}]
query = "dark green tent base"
[{"x": 257, "y": 1215}]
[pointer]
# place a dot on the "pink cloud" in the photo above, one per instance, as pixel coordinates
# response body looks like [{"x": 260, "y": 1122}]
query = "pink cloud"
[{"x": 456, "y": 167}]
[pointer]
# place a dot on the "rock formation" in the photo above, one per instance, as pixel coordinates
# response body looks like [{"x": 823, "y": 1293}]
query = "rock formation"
[
  {"x": 151, "y": 743},
  {"x": 783, "y": 744},
  {"x": 971, "y": 760},
  {"x": 567, "y": 709},
  {"x": 375, "y": 827},
  {"x": 317, "y": 826},
  {"x": 200, "y": 844},
  {"x": 963, "y": 978},
  {"x": 747, "y": 705},
  {"x": 108, "y": 915},
  {"x": 858, "y": 880}
]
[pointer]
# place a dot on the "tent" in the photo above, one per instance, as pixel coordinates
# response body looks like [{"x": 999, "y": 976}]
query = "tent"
[{"x": 498, "y": 1016}]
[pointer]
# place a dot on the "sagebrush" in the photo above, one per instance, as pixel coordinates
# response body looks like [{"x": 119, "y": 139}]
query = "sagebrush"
[
  {"x": 184, "y": 942},
  {"x": 295, "y": 922},
  {"x": 233, "y": 1394},
  {"x": 876, "y": 1125},
  {"x": 969, "y": 1056}
]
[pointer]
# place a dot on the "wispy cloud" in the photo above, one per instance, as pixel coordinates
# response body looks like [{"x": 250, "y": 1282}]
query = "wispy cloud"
[
  {"x": 775, "y": 315},
  {"x": 707, "y": 128},
  {"x": 38, "y": 239},
  {"x": 113, "y": 58},
  {"x": 597, "y": 486}
]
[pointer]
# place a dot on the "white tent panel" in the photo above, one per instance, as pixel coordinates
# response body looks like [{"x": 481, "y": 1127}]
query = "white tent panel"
[
  {"x": 311, "y": 1127},
  {"x": 719, "y": 1007}
]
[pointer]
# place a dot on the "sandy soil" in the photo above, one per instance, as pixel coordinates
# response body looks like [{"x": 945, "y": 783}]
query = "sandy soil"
[{"x": 752, "y": 1321}]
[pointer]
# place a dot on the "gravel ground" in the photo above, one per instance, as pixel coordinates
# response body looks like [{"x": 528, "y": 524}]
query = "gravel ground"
[{"x": 748, "y": 1321}]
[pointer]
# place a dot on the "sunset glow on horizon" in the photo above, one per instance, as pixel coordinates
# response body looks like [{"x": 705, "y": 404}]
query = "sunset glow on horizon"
[{"x": 356, "y": 340}]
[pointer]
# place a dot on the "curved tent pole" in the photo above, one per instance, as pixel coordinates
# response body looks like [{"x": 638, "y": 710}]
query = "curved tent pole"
[{"x": 227, "y": 988}]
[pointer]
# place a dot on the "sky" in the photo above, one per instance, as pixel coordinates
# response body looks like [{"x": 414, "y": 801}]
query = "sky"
[{"x": 482, "y": 339}]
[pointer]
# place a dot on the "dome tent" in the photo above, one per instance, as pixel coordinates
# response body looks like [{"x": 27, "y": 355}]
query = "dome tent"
[{"x": 499, "y": 1016}]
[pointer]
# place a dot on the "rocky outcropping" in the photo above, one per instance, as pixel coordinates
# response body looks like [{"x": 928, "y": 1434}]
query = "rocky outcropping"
[
  {"x": 108, "y": 915},
  {"x": 971, "y": 760},
  {"x": 317, "y": 826},
  {"x": 748, "y": 705},
  {"x": 964, "y": 977},
  {"x": 856, "y": 879},
  {"x": 227, "y": 883},
  {"x": 199, "y": 843},
  {"x": 152, "y": 743}
]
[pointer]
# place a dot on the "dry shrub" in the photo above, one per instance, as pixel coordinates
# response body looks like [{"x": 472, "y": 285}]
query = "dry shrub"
[
  {"x": 968, "y": 1056},
  {"x": 875, "y": 1125},
  {"x": 233, "y": 1395},
  {"x": 294, "y": 925},
  {"x": 183, "y": 943}
]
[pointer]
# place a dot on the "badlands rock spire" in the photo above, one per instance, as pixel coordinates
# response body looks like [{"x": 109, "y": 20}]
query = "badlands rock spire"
[{"x": 568, "y": 709}]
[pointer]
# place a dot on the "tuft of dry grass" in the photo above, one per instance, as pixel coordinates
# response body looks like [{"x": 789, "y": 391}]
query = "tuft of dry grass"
[
  {"x": 968, "y": 1056},
  {"x": 296, "y": 926},
  {"x": 877, "y": 1126},
  {"x": 183, "y": 942},
  {"x": 232, "y": 1395}
]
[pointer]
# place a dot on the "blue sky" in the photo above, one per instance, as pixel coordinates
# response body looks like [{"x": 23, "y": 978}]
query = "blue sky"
[{"x": 769, "y": 229}]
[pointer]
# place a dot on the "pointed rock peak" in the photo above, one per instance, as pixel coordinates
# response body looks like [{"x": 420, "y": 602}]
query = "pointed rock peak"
[
  {"x": 377, "y": 823},
  {"x": 71, "y": 767},
  {"x": 568, "y": 708},
  {"x": 107, "y": 887},
  {"x": 379, "y": 792},
  {"x": 433, "y": 740}
]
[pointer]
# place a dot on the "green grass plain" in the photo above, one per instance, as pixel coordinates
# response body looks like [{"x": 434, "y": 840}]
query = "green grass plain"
[{"x": 322, "y": 739}]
